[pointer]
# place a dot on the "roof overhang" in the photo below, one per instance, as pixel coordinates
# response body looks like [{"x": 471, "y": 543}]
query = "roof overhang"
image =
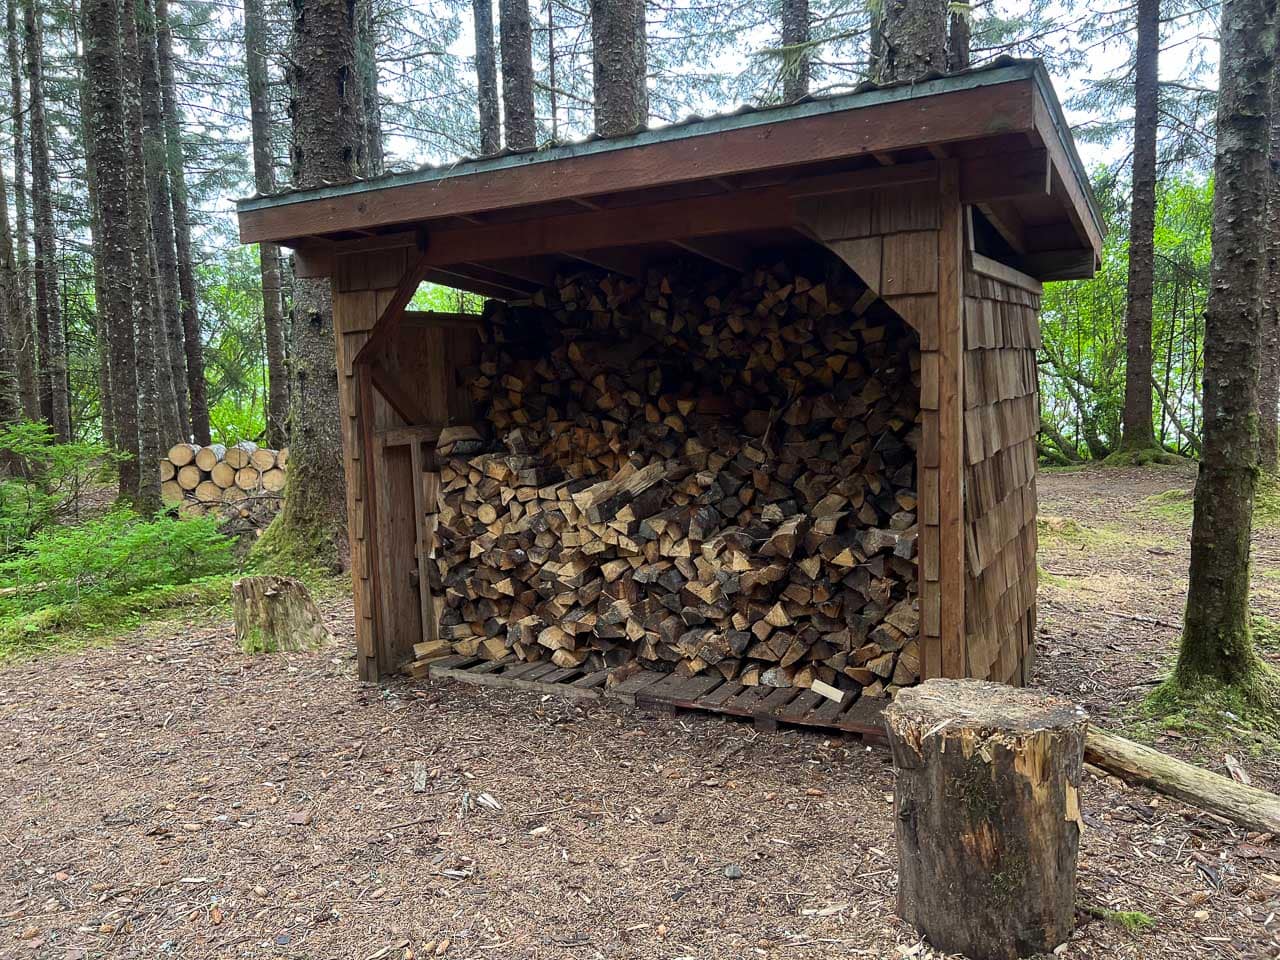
[{"x": 698, "y": 184}]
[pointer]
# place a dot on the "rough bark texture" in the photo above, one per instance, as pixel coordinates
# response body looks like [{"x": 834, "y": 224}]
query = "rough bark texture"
[
  {"x": 51, "y": 335},
  {"x": 913, "y": 39},
  {"x": 276, "y": 614},
  {"x": 10, "y": 314},
  {"x": 487, "y": 78},
  {"x": 1269, "y": 379},
  {"x": 192, "y": 342},
  {"x": 987, "y": 815},
  {"x": 795, "y": 39},
  {"x": 328, "y": 147},
  {"x": 171, "y": 369},
  {"x": 1216, "y": 643},
  {"x": 618, "y": 66},
  {"x": 959, "y": 33},
  {"x": 516, "y": 46},
  {"x": 106, "y": 144},
  {"x": 264, "y": 180},
  {"x": 142, "y": 255},
  {"x": 24, "y": 332},
  {"x": 1137, "y": 432},
  {"x": 370, "y": 106}
]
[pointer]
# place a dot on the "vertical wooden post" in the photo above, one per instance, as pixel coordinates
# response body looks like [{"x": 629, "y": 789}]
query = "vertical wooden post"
[
  {"x": 951, "y": 560},
  {"x": 373, "y": 571}
]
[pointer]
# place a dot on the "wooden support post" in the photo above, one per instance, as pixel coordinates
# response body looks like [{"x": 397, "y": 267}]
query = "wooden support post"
[
  {"x": 987, "y": 815},
  {"x": 951, "y": 560}
]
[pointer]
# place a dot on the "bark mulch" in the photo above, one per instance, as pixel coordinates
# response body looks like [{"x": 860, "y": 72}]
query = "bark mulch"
[{"x": 168, "y": 796}]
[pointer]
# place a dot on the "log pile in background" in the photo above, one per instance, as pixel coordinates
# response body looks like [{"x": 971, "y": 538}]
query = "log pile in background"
[
  {"x": 244, "y": 481},
  {"x": 694, "y": 473}
]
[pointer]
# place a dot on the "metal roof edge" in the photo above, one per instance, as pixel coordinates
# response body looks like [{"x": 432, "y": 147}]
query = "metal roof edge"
[
  {"x": 1045, "y": 84},
  {"x": 980, "y": 77}
]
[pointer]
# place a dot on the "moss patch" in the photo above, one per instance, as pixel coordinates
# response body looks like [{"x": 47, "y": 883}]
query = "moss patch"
[
  {"x": 1134, "y": 921},
  {"x": 1149, "y": 457},
  {"x": 1178, "y": 505}
]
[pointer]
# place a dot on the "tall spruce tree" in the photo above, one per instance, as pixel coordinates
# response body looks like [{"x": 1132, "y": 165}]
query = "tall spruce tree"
[
  {"x": 516, "y": 45},
  {"x": 1217, "y": 646},
  {"x": 24, "y": 339},
  {"x": 325, "y": 103},
  {"x": 912, "y": 37},
  {"x": 55, "y": 405},
  {"x": 619, "y": 66},
  {"x": 1269, "y": 376},
  {"x": 1138, "y": 433},
  {"x": 486, "y": 78},
  {"x": 795, "y": 41}
]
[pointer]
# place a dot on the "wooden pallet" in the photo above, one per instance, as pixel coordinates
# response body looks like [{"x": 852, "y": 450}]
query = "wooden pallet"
[{"x": 767, "y": 707}]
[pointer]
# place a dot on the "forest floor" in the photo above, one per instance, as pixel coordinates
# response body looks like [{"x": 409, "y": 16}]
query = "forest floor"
[{"x": 168, "y": 796}]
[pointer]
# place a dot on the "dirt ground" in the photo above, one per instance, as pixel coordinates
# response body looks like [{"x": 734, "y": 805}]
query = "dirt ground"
[{"x": 167, "y": 796}]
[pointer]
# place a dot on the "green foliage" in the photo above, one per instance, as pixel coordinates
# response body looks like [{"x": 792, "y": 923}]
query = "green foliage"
[
  {"x": 1134, "y": 921},
  {"x": 47, "y": 480},
  {"x": 237, "y": 417}
]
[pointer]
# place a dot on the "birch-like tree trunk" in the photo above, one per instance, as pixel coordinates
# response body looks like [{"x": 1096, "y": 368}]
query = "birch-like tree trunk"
[
  {"x": 256, "y": 40},
  {"x": 55, "y": 404},
  {"x": 795, "y": 39},
  {"x": 486, "y": 78},
  {"x": 1137, "y": 432},
  {"x": 106, "y": 148},
  {"x": 193, "y": 344},
  {"x": 171, "y": 375},
  {"x": 24, "y": 341},
  {"x": 1216, "y": 642},
  {"x": 913, "y": 39},
  {"x": 328, "y": 135},
  {"x": 142, "y": 256},
  {"x": 619, "y": 66},
  {"x": 515, "y": 42}
]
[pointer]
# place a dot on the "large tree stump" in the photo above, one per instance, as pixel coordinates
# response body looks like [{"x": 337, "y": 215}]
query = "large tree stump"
[
  {"x": 987, "y": 815},
  {"x": 274, "y": 614}
]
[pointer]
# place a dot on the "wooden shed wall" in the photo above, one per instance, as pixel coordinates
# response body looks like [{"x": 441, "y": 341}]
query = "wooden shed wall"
[{"x": 1001, "y": 420}]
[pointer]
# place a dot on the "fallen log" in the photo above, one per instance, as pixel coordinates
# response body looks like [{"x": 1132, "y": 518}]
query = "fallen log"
[{"x": 1134, "y": 763}]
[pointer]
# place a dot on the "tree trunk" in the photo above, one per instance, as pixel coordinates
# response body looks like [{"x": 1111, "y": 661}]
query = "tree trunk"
[
  {"x": 959, "y": 34},
  {"x": 487, "y": 78},
  {"x": 142, "y": 256},
  {"x": 1216, "y": 642},
  {"x": 193, "y": 345},
  {"x": 10, "y": 315},
  {"x": 795, "y": 39},
  {"x": 51, "y": 336},
  {"x": 1269, "y": 378},
  {"x": 106, "y": 404},
  {"x": 276, "y": 614},
  {"x": 913, "y": 39},
  {"x": 987, "y": 815},
  {"x": 106, "y": 147},
  {"x": 171, "y": 370},
  {"x": 370, "y": 105},
  {"x": 264, "y": 179},
  {"x": 327, "y": 133},
  {"x": 618, "y": 66},
  {"x": 515, "y": 41},
  {"x": 24, "y": 342},
  {"x": 1137, "y": 431}
]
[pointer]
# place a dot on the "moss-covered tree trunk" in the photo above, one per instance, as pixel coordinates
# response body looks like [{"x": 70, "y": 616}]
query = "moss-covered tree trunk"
[
  {"x": 795, "y": 38},
  {"x": 329, "y": 138},
  {"x": 1137, "y": 432},
  {"x": 1216, "y": 643}
]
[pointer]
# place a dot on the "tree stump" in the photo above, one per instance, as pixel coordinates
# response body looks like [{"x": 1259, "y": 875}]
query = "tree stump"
[
  {"x": 987, "y": 815},
  {"x": 276, "y": 614}
]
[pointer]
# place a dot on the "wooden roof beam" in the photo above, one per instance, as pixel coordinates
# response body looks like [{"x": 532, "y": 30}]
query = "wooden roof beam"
[{"x": 722, "y": 251}]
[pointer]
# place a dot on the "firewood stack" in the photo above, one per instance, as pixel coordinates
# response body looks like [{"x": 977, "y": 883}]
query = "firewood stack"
[
  {"x": 694, "y": 473},
  {"x": 243, "y": 481}
]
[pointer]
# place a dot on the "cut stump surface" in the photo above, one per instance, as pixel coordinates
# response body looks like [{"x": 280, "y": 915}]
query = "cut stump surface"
[{"x": 987, "y": 815}]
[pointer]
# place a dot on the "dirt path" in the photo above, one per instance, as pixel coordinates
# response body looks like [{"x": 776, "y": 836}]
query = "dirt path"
[{"x": 170, "y": 797}]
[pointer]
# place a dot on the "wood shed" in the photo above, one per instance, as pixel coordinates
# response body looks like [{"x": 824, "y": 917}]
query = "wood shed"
[{"x": 752, "y": 401}]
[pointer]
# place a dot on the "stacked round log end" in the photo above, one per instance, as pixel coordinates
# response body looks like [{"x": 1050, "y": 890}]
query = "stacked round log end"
[
  {"x": 696, "y": 472},
  {"x": 243, "y": 480}
]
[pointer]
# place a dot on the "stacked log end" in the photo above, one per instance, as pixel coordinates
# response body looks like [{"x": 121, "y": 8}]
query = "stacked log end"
[
  {"x": 691, "y": 473},
  {"x": 243, "y": 481}
]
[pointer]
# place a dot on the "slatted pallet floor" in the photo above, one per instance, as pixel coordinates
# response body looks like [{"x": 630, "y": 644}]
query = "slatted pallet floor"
[{"x": 767, "y": 707}]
